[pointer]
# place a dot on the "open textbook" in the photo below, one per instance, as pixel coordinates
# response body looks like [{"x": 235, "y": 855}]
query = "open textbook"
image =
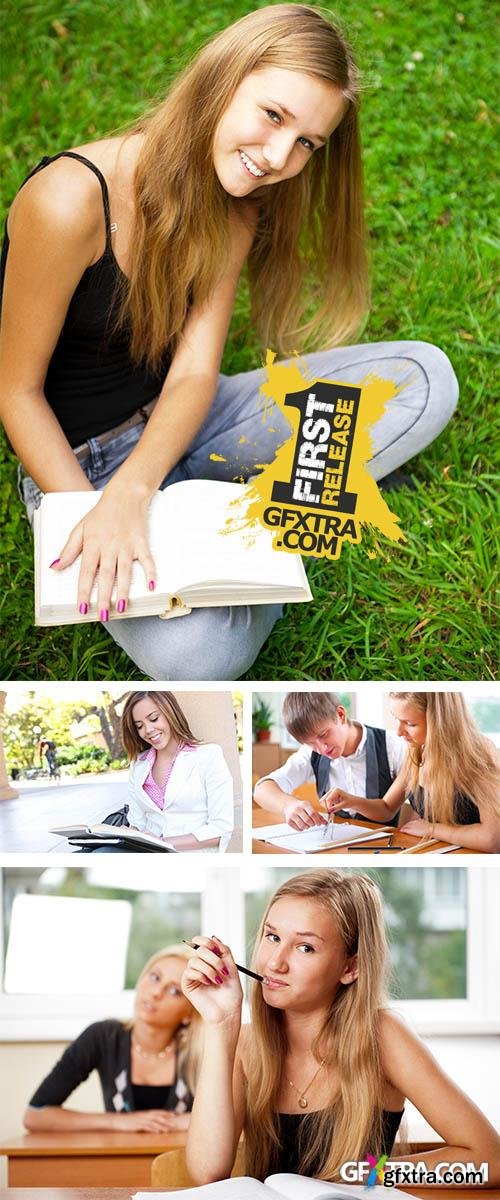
[
  {"x": 95, "y": 835},
  {"x": 276, "y": 1187},
  {"x": 199, "y": 563},
  {"x": 311, "y": 841}
]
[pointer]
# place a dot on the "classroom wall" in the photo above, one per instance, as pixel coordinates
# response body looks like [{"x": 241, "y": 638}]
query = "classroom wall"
[{"x": 25, "y": 1065}]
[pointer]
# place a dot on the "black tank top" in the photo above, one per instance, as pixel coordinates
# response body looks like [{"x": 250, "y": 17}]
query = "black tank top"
[
  {"x": 295, "y": 1129},
  {"x": 465, "y": 812},
  {"x": 92, "y": 383}
]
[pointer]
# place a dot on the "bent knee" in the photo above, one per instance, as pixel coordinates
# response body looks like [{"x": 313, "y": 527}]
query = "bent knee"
[{"x": 441, "y": 378}]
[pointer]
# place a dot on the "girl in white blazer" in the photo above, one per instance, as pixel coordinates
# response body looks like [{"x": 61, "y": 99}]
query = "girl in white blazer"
[{"x": 179, "y": 789}]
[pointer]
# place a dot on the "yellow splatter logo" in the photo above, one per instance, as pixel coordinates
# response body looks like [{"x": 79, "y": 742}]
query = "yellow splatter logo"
[{"x": 317, "y": 493}]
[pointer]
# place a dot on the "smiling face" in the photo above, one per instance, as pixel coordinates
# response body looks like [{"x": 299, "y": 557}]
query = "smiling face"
[
  {"x": 275, "y": 121},
  {"x": 152, "y": 725},
  {"x": 159, "y": 1000},
  {"x": 411, "y": 723},
  {"x": 302, "y": 956}
]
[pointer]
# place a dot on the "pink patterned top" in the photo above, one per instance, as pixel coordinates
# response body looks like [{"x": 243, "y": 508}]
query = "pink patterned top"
[{"x": 152, "y": 789}]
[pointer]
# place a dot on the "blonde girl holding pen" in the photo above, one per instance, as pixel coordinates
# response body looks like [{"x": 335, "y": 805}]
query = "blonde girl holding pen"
[{"x": 321, "y": 1075}]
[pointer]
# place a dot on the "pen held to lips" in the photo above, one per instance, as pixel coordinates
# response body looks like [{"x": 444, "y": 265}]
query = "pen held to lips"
[{"x": 244, "y": 970}]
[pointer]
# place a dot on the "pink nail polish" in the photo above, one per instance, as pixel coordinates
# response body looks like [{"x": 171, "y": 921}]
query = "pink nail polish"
[
  {"x": 104, "y": 614},
  {"x": 84, "y": 608},
  {"x": 151, "y": 585},
  {"x": 121, "y": 606},
  {"x": 54, "y": 564},
  {"x": 218, "y": 979},
  {"x": 225, "y": 971}
]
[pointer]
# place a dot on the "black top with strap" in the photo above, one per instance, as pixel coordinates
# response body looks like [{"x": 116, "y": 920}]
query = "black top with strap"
[
  {"x": 465, "y": 812},
  {"x": 295, "y": 1131},
  {"x": 378, "y": 771},
  {"x": 105, "y": 1047},
  {"x": 92, "y": 382}
]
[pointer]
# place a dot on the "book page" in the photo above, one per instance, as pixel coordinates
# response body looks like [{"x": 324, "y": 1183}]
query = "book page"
[
  {"x": 310, "y": 841},
  {"x": 196, "y": 513},
  {"x": 298, "y": 1187},
  {"x": 242, "y": 1188}
]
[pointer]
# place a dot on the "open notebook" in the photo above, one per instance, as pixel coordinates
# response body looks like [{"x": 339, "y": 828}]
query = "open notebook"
[
  {"x": 276, "y": 1187},
  {"x": 115, "y": 835},
  {"x": 312, "y": 841},
  {"x": 198, "y": 563}
]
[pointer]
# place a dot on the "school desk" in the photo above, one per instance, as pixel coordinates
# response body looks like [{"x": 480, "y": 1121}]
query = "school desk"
[
  {"x": 88, "y": 1193},
  {"x": 262, "y": 816},
  {"x": 85, "y": 1159}
]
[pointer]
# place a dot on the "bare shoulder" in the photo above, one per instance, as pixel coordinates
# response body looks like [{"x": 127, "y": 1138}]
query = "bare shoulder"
[
  {"x": 62, "y": 201},
  {"x": 395, "y": 1036}
]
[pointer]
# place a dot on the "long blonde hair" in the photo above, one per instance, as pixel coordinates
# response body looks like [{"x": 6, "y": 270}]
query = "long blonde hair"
[
  {"x": 189, "y": 1035},
  {"x": 310, "y": 238},
  {"x": 458, "y": 758},
  {"x": 351, "y": 1124}
]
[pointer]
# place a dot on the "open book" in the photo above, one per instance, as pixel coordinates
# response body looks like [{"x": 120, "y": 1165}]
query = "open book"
[
  {"x": 312, "y": 841},
  {"x": 276, "y": 1187},
  {"x": 199, "y": 563},
  {"x": 116, "y": 835}
]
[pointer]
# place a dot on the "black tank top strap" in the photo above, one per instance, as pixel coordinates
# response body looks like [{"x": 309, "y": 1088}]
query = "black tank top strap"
[{"x": 92, "y": 167}]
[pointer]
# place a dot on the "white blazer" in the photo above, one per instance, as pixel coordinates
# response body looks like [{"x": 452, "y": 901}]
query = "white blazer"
[{"x": 198, "y": 800}]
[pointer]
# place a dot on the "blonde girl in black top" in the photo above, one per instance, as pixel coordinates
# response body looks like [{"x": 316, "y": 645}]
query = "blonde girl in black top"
[
  {"x": 320, "y": 1076},
  {"x": 451, "y": 774},
  {"x": 121, "y": 268},
  {"x": 147, "y": 1067}
]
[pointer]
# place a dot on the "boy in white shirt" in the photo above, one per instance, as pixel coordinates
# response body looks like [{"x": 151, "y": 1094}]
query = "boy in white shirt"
[{"x": 335, "y": 752}]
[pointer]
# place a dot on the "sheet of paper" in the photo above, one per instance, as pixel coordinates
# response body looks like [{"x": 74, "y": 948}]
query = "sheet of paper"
[{"x": 311, "y": 841}]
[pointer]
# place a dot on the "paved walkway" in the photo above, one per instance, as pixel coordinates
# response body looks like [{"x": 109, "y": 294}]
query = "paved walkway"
[{"x": 25, "y": 821}]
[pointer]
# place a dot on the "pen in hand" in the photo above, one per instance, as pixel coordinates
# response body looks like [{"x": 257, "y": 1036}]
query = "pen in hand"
[{"x": 244, "y": 970}]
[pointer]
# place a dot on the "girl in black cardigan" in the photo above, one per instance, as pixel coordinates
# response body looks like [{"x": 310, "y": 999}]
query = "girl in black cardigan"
[{"x": 147, "y": 1067}]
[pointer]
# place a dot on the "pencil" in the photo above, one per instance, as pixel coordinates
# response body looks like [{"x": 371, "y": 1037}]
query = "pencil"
[
  {"x": 375, "y": 849},
  {"x": 244, "y": 970}
]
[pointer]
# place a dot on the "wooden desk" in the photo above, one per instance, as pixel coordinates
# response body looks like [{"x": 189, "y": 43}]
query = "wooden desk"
[
  {"x": 262, "y": 816},
  {"x": 90, "y": 1159},
  {"x": 429, "y": 1193}
]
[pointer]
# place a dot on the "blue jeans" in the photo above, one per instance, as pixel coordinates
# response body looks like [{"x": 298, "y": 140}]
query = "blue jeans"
[{"x": 222, "y": 643}]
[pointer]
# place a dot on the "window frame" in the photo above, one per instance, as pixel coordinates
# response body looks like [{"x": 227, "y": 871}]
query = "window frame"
[{"x": 32, "y": 1018}]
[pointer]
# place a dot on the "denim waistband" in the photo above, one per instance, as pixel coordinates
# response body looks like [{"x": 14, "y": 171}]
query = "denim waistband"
[{"x": 137, "y": 418}]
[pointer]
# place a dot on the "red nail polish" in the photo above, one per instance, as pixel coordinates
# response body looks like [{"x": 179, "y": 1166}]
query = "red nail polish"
[
  {"x": 218, "y": 979},
  {"x": 121, "y": 606},
  {"x": 225, "y": 971},
  {"x": 104, "y": 614},
  {"x": 84, "y": 608},
  {"x": 54, "y": 564},
  {"x": 151, "y": 585}
]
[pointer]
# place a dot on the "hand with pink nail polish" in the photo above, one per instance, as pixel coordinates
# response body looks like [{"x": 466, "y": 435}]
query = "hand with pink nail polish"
[
  {"x": 211, "y": 982},
  {"x": 109, "y": 539}
]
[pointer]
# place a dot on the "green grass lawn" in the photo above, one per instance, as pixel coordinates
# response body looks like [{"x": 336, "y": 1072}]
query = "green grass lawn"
[{"x": 75, "y": 71}]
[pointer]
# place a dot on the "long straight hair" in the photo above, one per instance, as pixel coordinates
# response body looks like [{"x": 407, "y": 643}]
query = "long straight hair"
[
  {"x": 169, "y": 706},
  {"x": 351, "y": 1123},
  {"x": 309, "y": 248},
  {"x": 189, "y": 1035},
  {"x": 458, "y": 758}
]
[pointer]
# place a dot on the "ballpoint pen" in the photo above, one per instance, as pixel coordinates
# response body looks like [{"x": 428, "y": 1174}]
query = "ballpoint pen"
[{"x": 244, "y": 970}]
